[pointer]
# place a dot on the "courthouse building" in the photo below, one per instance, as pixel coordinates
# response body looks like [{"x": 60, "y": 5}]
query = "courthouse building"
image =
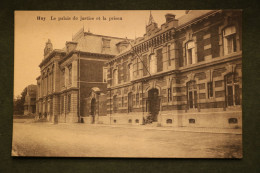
[
  {"x": 186, "y": 72},
  {"x": 69, "y": 75}
]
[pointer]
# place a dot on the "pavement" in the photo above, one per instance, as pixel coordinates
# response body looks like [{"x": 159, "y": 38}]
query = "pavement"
[
  {"x": 177, "y": 129},
  {"x": 99, "y": 140}
]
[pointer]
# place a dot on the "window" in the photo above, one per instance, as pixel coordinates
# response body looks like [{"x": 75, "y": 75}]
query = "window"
[
  {"x": 70, "y": 74},
  {"x": 122, "y": 101},
  {"x": 229, "y": 38},
  {"x": 115, "y": 77},
  {"x": 232, "y": 120},
  {"x": 152, "y": 64},
  {"x": 210, "y": 89},
  {"x": 190, "y": 53},
  {"x": 63, "y": 78},
  {"x": 192, "y": 121},
  {"x": 145, "y": 65},
  {"x": 104, "y": 74},
  {"x": 130, "y": 72},
  {"x": 137, "y": 66},
  {"x": 69, "y": 102},
  {"x": 169, "y": 121},
  {"x": 169, "y": 55},
  {"x": 192, "y": 94},
  {"x": 52, "y": 78},
  {"x": 232, "y": 90},
  {"x": 130, "y": 121},
  {"x": 115, "y": 104},
  {"x": 130, "y": 102},
  {"x": 169, "y": 94},
  {"x": 137, "y": 99},
  {"x": 62, "y": 104},
  {"x": 159, "y": 60}
]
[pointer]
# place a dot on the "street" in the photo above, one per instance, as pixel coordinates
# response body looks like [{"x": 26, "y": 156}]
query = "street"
[{"x": 82, "y": 140}]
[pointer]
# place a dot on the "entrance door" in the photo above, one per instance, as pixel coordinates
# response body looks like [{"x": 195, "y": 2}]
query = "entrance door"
[
  {"x": 93, "y": 109},
  {"x": 154, "y": 103}
]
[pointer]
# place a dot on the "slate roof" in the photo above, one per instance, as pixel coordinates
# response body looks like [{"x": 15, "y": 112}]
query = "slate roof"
[
  {"x": 191, "y": 16},
  {"x": 94, "y": 43}
]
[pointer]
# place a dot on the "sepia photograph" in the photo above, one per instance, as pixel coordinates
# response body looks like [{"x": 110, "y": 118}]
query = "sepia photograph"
[{"x": 128, "y": 84}]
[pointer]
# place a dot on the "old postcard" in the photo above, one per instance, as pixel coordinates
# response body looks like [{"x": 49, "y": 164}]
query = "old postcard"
[{"x": 142, "y": 84}]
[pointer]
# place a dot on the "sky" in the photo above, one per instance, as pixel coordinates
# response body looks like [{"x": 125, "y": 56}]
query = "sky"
[{"x": 34, "y": 28}]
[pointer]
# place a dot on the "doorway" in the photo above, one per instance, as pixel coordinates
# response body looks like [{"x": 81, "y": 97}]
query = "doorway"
[{"x": 153, "y": 104}]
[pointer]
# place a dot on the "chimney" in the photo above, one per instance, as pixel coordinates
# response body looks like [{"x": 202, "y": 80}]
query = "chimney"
[
  {"x": 169, "y": 17},
  {"x": 170, "y": 20}
]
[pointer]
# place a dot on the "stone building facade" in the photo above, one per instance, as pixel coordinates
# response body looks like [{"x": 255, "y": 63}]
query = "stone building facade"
[
  {"x": 69, "y": 75},
  {"x": 187, "y": 72},
  {"x": 30, "y": 100}
]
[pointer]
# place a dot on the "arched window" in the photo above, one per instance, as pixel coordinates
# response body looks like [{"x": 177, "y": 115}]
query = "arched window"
[
  {"x": 190, "y": 52},
  {"x": 115, "y": 77},
  {"x": 232, "y": 89},
  {"x": 229, "y": 39},
  {"x": 192, "y": 94}
]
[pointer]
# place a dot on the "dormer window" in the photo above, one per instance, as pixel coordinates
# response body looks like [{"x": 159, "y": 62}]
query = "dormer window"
[
  {"x": 229, "y": 38},
  {"x": 190, "y": 52}
]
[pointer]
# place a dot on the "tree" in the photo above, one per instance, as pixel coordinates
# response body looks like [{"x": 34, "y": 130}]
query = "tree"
[{"x": 18, "y": 104}]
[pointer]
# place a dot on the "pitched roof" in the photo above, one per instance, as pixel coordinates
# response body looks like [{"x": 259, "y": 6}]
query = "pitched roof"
[
  {"x": 93, "y": 43},
  {"x": 192, "y": 15}
]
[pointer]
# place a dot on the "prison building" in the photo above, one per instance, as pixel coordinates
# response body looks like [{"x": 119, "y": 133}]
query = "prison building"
[{"x": 185, "y": 73}]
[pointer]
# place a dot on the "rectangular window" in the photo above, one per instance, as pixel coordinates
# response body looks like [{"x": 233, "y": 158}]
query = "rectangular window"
[
  {"x": 122, "y": 101},
  {"x": 229, "y": 38},
  {"x": 137, "y": 99},
  {"x": 62, "y": 104},
  {"x": 169, "y": 55},
  {"x": 70, "y": 74},
  {"x": 69, "y": 102},
  {"x": 145, "y": 65},
  {"x": 115, "y": 104},
  {"x": 190, "y": 53},
  {"x": 159, "y": 60},
  {"x": 210, "y": 89},
  {"x": 230, "y": 95},
  {"x": 169, "y": 94},
  {"x": 104, "y": 74},
  {"x": 63, "y": 78},
  {"x": 137, "y": 66},
  {"x": 191, "y": 99}
]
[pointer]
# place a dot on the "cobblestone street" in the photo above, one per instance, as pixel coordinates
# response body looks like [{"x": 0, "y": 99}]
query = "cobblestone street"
[{"x": 82, "y": 140}]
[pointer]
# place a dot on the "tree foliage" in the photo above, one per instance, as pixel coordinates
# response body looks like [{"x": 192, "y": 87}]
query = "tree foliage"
[{"x": 19, "y": 103}]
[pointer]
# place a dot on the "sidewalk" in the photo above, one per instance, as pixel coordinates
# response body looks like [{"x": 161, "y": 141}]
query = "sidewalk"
[{"x": 177, "y": 129}]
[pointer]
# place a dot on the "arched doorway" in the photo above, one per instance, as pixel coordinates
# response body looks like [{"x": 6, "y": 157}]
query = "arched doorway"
[
  {"x": 93, "y": 109},
  {"x": 153, "y": 103}
]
